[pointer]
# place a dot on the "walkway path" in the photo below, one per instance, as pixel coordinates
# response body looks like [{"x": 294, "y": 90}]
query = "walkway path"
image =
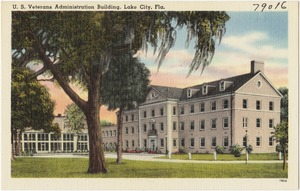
[{"x": 151, "y": 157}]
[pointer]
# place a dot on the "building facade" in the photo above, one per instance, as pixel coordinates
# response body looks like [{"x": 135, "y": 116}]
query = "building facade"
[
  {"x": 237, "y": 110},
  {"x": 68, "y": 141}
]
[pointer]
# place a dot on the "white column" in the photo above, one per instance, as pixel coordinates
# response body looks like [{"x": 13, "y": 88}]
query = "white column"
[
  {"x": 75, "y": 142},
  {"x": 139, "y": 126},
  {"x": 23, "y": 142},
  {"x": 49, "y": 142},
  {"x": 62, "y": 141},
  {"x": 169, "y": 129}
]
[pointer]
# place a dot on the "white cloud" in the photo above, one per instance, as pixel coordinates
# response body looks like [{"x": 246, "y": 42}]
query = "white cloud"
[{"x": 256, "y": 44}]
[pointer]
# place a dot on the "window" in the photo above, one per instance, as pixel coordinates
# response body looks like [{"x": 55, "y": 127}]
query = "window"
[
  {"x": 204, "y": 90},
  {"x": 244, "y": 141},
  {"x": 106, "y": 133},
  {"x": 258, "y": 106},
  {"x": 214, "y": 123},
  {"x": 132, "y": 117},
  {"x": 161, "y": 142},
  {"x": 43, "y": 137},
  {"x": 161, "y": 111},
  {"x": 192, "y": 143},
  {"x": 126, "y": 143},
  {"x": 182, "y": 142},
  {"x": 213, "y": 105},
  {"x": 192, "y": 109},
  {"x": 271, "y": 123},
  {"x": 145, "y": 114},
  {"x": 145, "y": 128},
  {"x": 145, "y": 143},
  {"x": 245, "y": 122},
  {"x": 258, "y": 141},
  {"x": 68, "y": 137},
  {"x": 258, "y": 122},
  {"x": 202, "y": 142},
  {"x": 31, "y": 137},
  {"x": 213, "y": 141},
  {"x": 181, "y": 110},
  {"x": 202, "y": 107},
  {"x": 225, "y": 141},
  {"x": 202, "y": 124},
  {"x": 181, "y": 126},
  {"x": 161, "y": 126},
  {"x": 174, "y": 125},
  {"x": 192, "y": 125},
  {"x": 225, "y": 104},
  {"x": 245, "y": 103},
  {"x": 271, "y": 106},
  {"x": 132, "y": 143},
  {"x": 258, "y": 84},
  {"x": 110, "y": 133},
  {"x": 25, "y": 137},
  {"x": 115, "y": 133},
  {"x": 174, "y": 110},
  {"x": 126, "y": 117},
  {"x": 225, "y": 122},
  {"x": 126, "y": 130},
  {"x": 132, "y": 130},
  {"x": 153, "y": 112},
  {"x": 222, "y": 86},
  {"x": 174, "y": 142},
  {"x": 189, "y": 93},
  {"x": 271, "y": 141}
]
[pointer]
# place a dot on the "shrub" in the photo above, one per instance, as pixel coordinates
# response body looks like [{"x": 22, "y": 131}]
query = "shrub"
[
  {"x": 220, "y": 149},
  {"x": 181, "y": 150},
  {"x": 236, "y": 150},
  {"x": 249, "y": 149}
]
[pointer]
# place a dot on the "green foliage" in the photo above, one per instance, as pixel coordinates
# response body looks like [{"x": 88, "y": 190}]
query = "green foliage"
[
  {"x": 249, "y": 149},
  {"x": 281, "y": 135},
  {"x": 31, "y": 105},
  {"x": 126, "y": 83},
  {"x": 284, "y": 110},
  {"x": 75, "y": 119},
  {"x": 220, "y": 149},
  {"x": 105, "y": 123},
  {"x": 236, "y": 150},
  {"x": 29, "y": 167}
]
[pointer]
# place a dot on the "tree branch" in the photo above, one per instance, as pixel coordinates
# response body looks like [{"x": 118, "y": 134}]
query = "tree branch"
[{"x": 58, "y": 75}]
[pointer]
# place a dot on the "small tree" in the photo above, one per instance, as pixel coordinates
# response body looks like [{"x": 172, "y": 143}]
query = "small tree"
[
  {"x": 220, "y": 149},
  {"x": 123, "y": 87},
  {"x": 236, "y": 150},
  {"x": 282, "y": 138},
  {"x": 75, "y": 119}
]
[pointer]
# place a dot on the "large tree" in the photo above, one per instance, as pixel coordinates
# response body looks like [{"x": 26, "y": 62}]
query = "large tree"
[
  {"x": 284, "y": 110},
  {"x": 124, "y": 86},
  {"x": 281, "y": 135},
  {"x": 78, "y": 47},
  {"x": 31, "y": 106}
]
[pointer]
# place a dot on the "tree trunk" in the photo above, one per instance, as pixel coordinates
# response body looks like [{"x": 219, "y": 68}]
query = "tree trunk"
[
  {"x": 96, "y": 154},
  {"x": 284, "y": 158},
  {"x": 120, "y": 141},
  {"x": 12, "y": 145},
  {"x": 18, "y": 143}
]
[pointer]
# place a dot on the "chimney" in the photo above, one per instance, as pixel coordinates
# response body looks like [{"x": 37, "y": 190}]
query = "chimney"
[{"x": 257, "y": 66}]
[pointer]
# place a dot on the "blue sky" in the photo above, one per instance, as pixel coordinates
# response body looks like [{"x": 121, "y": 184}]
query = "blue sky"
[{"x": 249, "y": 36}]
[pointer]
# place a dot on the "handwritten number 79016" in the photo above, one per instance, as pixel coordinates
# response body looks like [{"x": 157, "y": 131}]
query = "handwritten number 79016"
[{"x": 261, "y": 7}]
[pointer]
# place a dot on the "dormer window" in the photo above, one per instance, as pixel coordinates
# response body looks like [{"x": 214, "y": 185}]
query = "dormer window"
[
  {"x": 204, "y": 90},
  {"x": 189, "y": 93},
  {"x": 222, "y": 86}
]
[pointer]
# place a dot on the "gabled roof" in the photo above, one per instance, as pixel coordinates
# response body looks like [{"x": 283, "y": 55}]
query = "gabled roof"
[
  {"x": 237, "y": 82},
  {"x": 168, "y": 92}
]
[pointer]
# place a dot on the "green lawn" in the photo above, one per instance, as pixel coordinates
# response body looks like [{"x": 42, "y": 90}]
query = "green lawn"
[
  {"x": 226, "y": 157},
  {"x": 29, "y": 167}
]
